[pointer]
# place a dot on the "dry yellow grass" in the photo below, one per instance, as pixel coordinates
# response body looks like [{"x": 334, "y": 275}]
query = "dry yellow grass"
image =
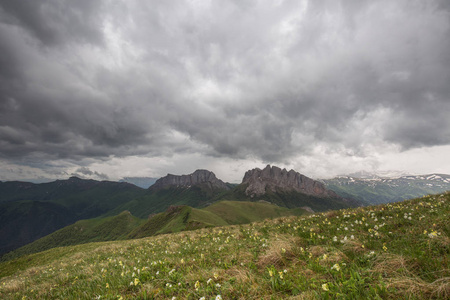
[
  {"x": 399, "y": 275},
  {"x": 13, "y": 285},
  {"x": 332, "y": 214},
  {"x": 390, "y": 265},
  {"x": 354, "y": 246},
  {"x": 280, "y": 251},
  {"x": 33, "y": 271},
  {"x": 334, "y": 256},
  {"x": 317, "y": 251},
  {"x": 241, "y": 275},
  {"x": 420, "y": 289}
]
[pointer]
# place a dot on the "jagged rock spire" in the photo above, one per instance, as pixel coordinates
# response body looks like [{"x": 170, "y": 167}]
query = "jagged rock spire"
[
  {"x": 277, "y": 179},
  {"x": 198, "y": 177}
]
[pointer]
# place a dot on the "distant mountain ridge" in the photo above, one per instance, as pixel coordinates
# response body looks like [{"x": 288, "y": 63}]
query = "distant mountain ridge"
[
  {"x": 376, "y": 174},
  {"x": 52, "y": 191},
  {"x": 198, "y": 177},
  {"x": 373, "y": 189}
]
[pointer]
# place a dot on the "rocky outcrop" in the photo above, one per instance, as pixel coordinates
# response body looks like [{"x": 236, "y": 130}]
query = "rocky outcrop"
[
  {"x": 276, "y": 180},
  {"x": 196, "y": 178}
]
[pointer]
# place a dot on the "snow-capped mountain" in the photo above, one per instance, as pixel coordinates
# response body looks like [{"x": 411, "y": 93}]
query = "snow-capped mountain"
[
  {"x": 374, "y": 189},
  {"x": 378, "y": 174}
]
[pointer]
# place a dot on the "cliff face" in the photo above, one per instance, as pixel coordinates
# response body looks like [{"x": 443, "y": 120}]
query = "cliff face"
[
  {"x": 198, "y": 177},
  {"x": 276, "y": 179}
]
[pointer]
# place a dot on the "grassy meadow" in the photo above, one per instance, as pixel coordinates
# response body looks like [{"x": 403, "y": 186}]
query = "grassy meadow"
[{"x": 398, "y": 250}]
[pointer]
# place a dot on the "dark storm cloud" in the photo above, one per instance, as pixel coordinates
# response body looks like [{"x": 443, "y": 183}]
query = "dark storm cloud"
[
  {"x": 54, "y": 21},
  {"x": 65, "y": 107},
  {"x": 327, "y": 75},
  {"x": 236, "y": 79}
]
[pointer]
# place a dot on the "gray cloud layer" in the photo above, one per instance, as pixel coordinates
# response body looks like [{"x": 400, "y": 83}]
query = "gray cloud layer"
[{"x": 237, "y": 79}]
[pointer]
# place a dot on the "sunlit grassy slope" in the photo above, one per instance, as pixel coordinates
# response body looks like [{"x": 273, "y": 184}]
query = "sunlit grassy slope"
[
  {"x": 175, "y": 219},
  {"x": 156, "y": 201},
  {"x": 398, "y": 250},
  {"x": 218, "y": 214},
  {"x": 289, "y": 199},
  {"x": 237, "y": 212}
]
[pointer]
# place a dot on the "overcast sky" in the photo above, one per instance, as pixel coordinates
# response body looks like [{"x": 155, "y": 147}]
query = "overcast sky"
[{"x": 108, "y": 89}]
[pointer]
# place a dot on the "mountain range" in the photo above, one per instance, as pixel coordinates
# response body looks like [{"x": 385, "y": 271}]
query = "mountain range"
[
  {"x": 35, "y": 217},
  {"x": 372, "y": 189},
  {"x": 32, "y": 211}
]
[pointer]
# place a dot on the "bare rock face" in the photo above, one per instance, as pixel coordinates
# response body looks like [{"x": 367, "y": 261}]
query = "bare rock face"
[
  {"x": 276, "y": 179},
  {"x": 198, "y": 177}
]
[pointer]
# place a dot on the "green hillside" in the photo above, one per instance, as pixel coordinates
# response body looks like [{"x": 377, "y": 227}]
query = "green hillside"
[
  {"x": 182, "y": 218},
  {"x": 30, "y": 211},
  {"x": 290, "y": 199},
  {"x": 84, "y": 231},
  {"x": 175, "y": 219},
  {"x": 237, "y": 212},
  {"x": 22, "y": 222},
  {"x": 160, "y": 200},
  {"x": 389, "y": 251}
]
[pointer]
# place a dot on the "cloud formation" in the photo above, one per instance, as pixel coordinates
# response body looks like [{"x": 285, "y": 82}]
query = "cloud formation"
[
  {"x": 84, "y": 171},
  {"x": 239, "y": 80}
]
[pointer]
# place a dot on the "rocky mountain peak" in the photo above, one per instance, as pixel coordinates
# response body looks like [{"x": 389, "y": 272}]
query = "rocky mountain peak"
[
  {"x": 198, "y": 177},
  {"x": 276, "y": 179}
]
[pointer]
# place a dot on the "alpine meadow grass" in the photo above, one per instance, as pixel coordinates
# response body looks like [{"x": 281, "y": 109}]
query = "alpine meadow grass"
[{"x": 398, "y": 250}]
